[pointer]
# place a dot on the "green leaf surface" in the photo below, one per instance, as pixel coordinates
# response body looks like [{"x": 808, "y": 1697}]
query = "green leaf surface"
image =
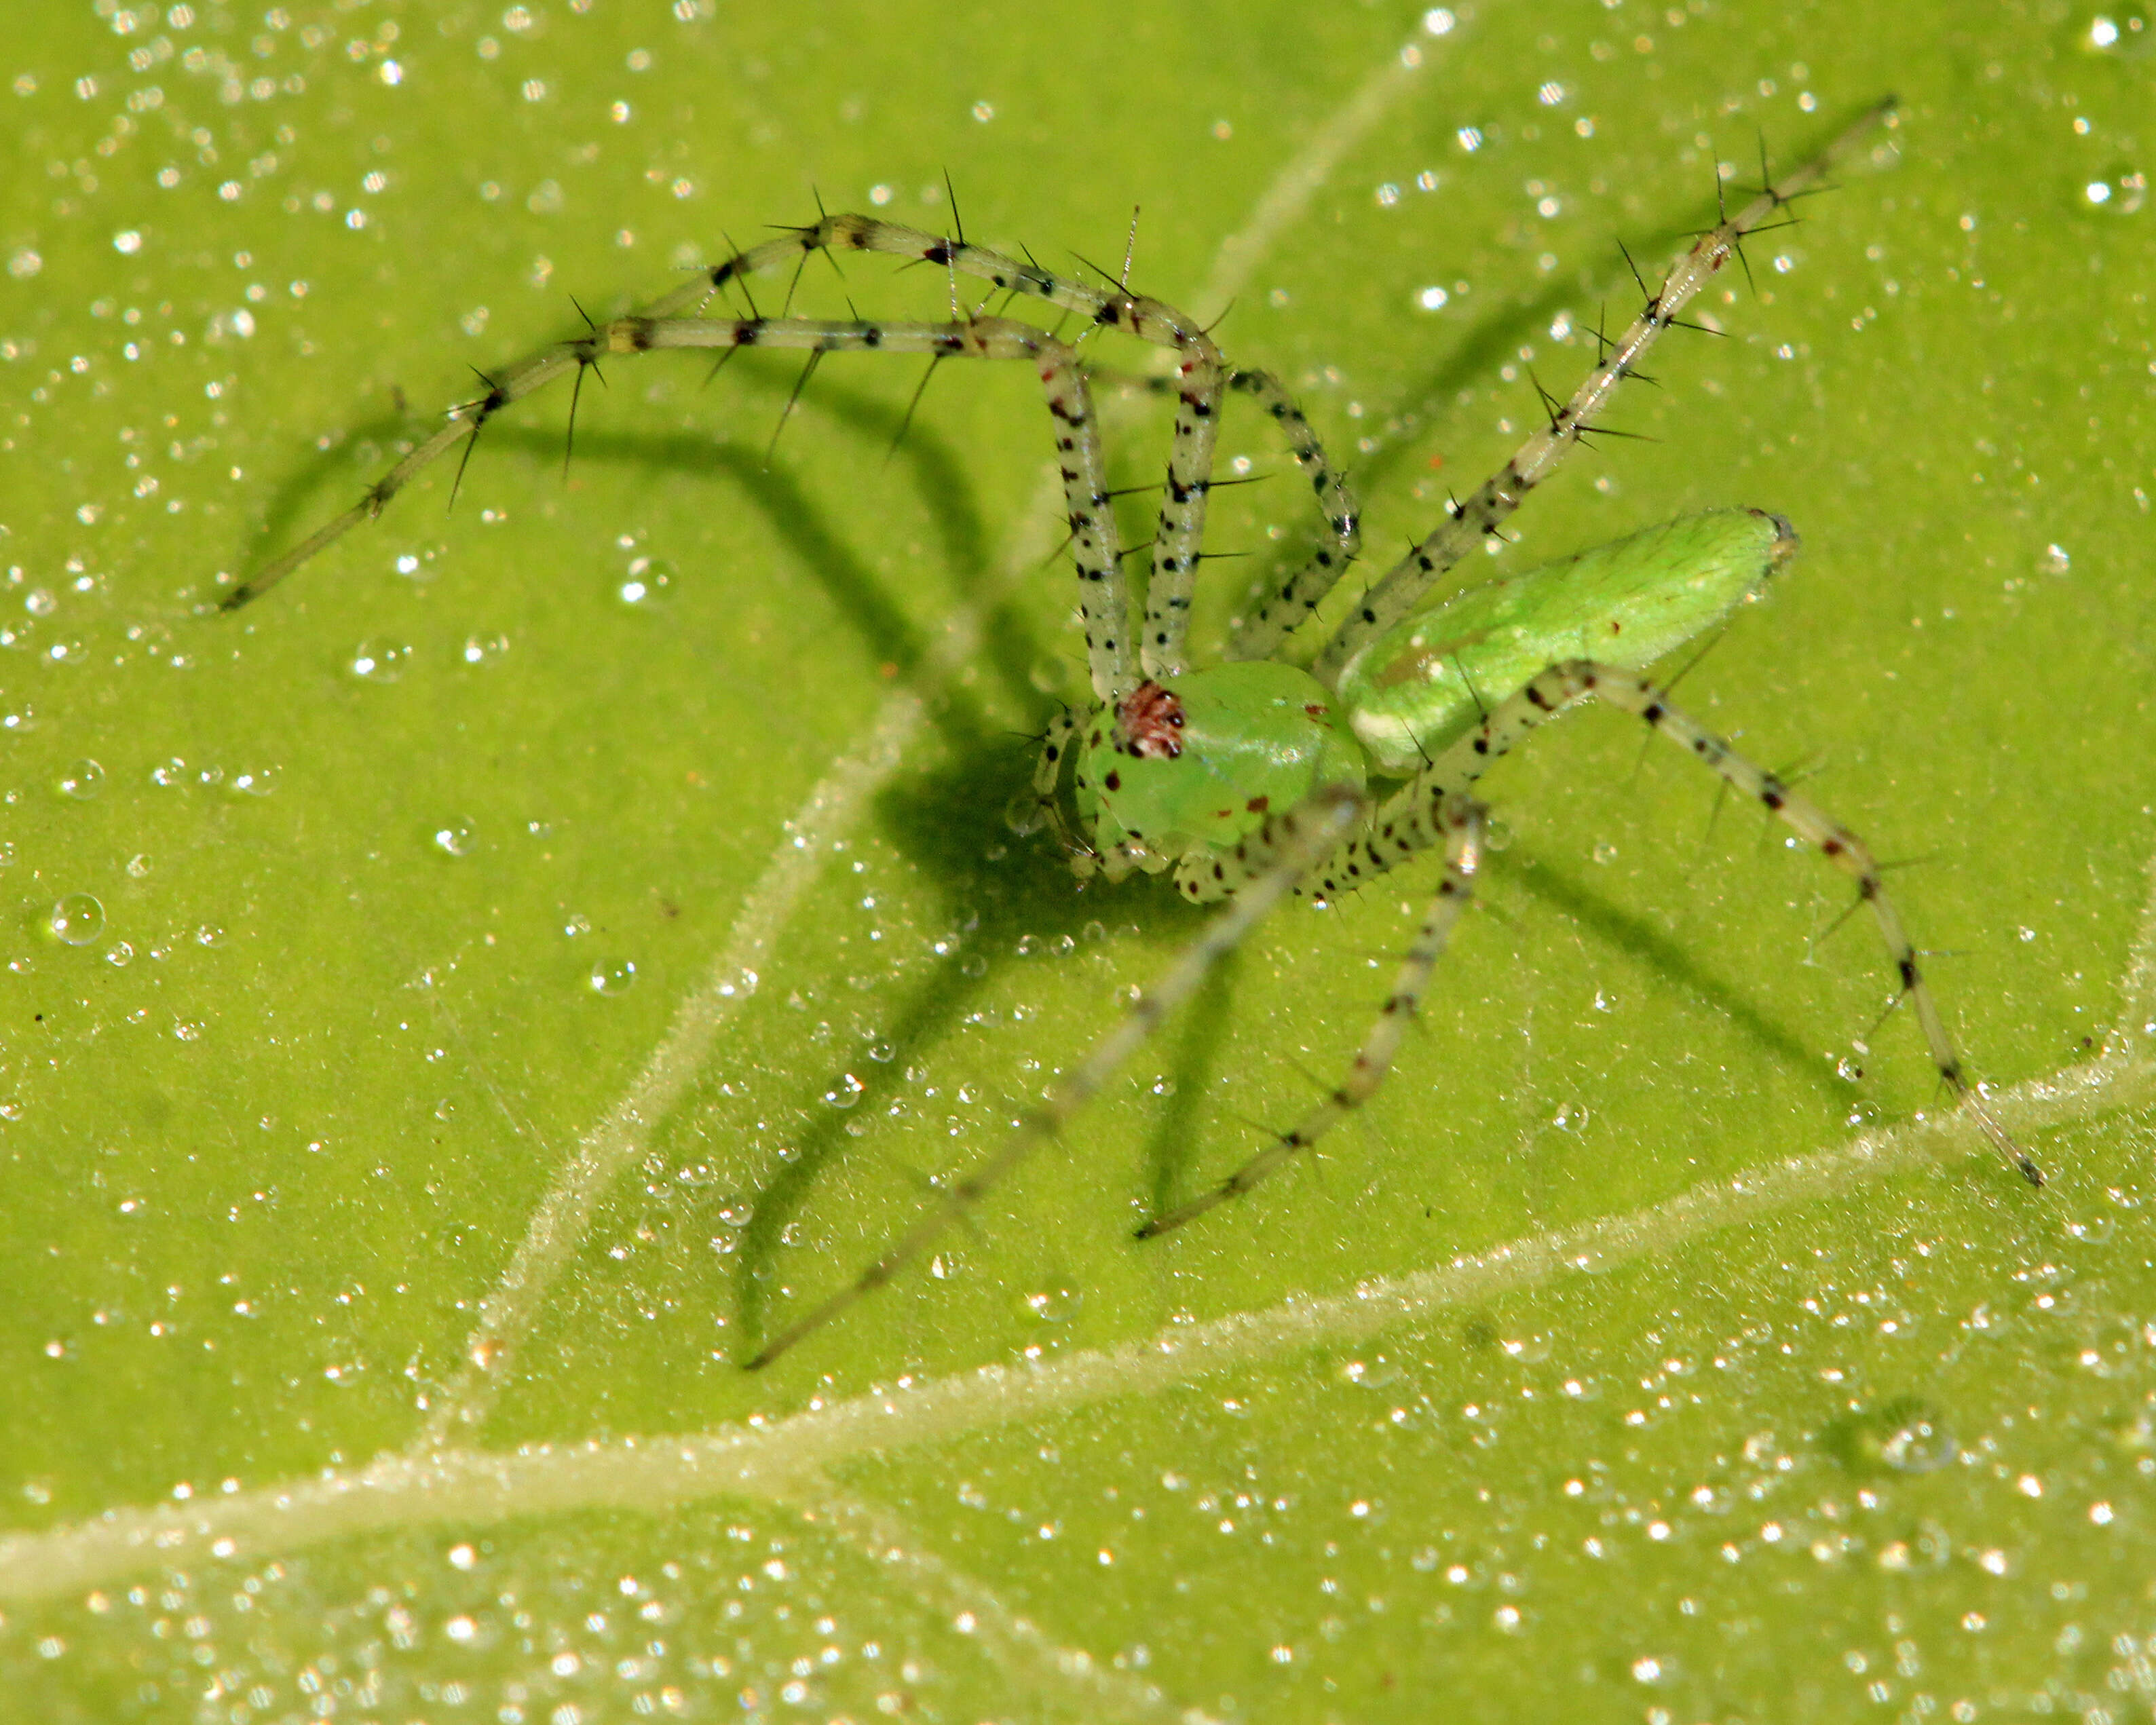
[{"x": 457, "y": 1004}]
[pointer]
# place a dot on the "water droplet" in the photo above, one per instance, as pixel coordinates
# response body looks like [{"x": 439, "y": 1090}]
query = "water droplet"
[
  {"x": 457, "y": 837},
  {"x": 119, "y": 955},
  {"x": 644, "y": 588},
  {"x": 138, "y": 865},
  {"x": 76, "y": 920},
  {"x": 1605, "y": 852},
  {"x": 253, "y": 782},
  {"x": 378, "y": 661},
  {"x": 1025, "y": 814},
  {"x": 1906, "y": 1435},
  {"x": 82, "y": 781},
  {"x": 1055, "y": 1304},
  {"x": 846, "y": 1092},
  {"x": 612, "y": 976},
  {"x": 484, "y": 649},
  {"x": 2120, "y": 190},
  {"x": 2122, "y": 32}
]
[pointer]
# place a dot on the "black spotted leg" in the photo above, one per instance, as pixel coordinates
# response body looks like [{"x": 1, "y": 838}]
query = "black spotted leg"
[
  {"x": 1458, "y": 822},
  {"x": 1412, "y": 819},
  {"x": 1295, "y": 841},
  {"x": 1494, "y": 502}
]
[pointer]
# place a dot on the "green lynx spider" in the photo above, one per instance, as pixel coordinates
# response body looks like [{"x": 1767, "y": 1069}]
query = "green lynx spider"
[{"x": 1248, "y": 777}]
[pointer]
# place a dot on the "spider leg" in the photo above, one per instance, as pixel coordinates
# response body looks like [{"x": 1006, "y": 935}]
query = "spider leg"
[
  {"x": 1461, "y": 820},
  {"x": 1489, "y": 507},
  {"x": 1280, "y": 609},
  {"x": 1635, "y": 694},
  {"x": 1298, "y": 837},
  {"x": 1042, "y": 807},
  {"x": 1102, "y": 595},
  {"x": 1254, "y": 639},
  {"x": 1411, "y": 820},
  {"x": 1199, "y": 381}
]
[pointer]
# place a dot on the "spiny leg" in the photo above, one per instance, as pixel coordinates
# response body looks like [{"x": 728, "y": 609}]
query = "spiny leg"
[
  {"x": 1182, "y": 531},
  {"x": 1460, "y": 821},
  {"x": 1278, "y": 609},
  {"x": 1042, "y": 806},
  {"x": 1301, "y": 836},
  {"x": 1198, "y": 383},
  {"x": 1491, "y": 505},
  {"x": 1095, "y": 549},
  {"x": 1403, "y": 824},
  {"x": 1335, "y": 499}
]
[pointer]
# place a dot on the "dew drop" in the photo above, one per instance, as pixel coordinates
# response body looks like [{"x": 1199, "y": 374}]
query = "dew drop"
[
  {"x": 76, "y": 920},
  {"x": 2120, "y": 190},
  {"x": 81, "y": 781},
  {"x": 612, "y": 976},
  {"x": 646, "y": 584},
  {"x": 457, "y": 837},
  {"x": 2122, "y": 32},
  {"x": 253, "y": 782},
  {"x": 1906, "y": 1435},
  {"x": 1056, "y": 1303},
  {"x": 378, "y": 661}
]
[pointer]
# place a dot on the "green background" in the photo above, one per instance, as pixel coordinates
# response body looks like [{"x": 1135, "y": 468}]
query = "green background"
[{"x": 1725, "y": 1393}]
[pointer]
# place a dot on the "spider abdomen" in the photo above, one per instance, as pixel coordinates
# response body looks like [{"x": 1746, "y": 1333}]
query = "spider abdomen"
[{"x": 1431, "y": 678}]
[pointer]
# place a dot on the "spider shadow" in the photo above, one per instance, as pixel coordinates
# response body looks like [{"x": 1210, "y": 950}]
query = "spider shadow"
[
  {"x": 1662, "y": 955},
  {"x": 1009, "y": 642},
  {"x": 1003, "y": 896}
]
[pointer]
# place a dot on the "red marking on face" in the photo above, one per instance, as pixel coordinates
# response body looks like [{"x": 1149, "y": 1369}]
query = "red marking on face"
[{"x": 1147, "y": 719}]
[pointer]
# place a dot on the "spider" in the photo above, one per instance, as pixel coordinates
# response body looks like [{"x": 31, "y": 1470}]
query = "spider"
[{"x": 1249, "y": 778}]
